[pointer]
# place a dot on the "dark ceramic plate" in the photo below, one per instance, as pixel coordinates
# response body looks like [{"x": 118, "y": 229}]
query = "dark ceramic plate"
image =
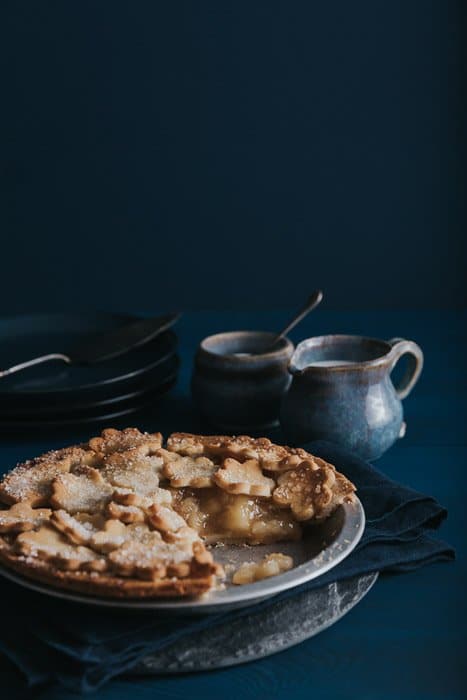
[
  {"x": 43, "y": 406},
  {"x": 106, "y": 415},
  {"x": 25, "y": 337}
]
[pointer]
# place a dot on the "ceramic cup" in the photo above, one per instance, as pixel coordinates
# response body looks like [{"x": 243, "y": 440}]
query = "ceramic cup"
[
  {"x": 342, "y": 392},
  {"x": 237, "y": 383}
]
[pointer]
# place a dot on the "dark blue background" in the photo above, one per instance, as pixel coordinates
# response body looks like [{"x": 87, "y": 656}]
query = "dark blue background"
[{"x": 232, "y": 154}]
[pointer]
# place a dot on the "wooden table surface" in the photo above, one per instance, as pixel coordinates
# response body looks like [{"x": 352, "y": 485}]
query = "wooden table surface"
[{"x": 407, "y": 638}]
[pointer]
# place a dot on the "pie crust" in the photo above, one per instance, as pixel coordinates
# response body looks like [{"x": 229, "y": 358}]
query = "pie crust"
[{"x": 123, "y": 516}]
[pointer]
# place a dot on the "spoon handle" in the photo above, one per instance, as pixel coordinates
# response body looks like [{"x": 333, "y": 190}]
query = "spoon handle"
[
  {"x": 35, "y": 361},
  {"x": 311, "y": 304}
]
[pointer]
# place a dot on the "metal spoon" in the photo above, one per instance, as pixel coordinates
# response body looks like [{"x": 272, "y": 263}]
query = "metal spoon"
[
  {"x": 106, "y": 345},
  {"x": 314, "y": 300}
]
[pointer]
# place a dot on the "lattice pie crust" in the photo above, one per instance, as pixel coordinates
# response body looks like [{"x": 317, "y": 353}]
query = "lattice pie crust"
[{"x": 124, "y": 516}]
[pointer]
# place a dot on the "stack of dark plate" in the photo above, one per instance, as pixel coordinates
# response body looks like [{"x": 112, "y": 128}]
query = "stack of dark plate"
[{"x": 55, "y": 394}]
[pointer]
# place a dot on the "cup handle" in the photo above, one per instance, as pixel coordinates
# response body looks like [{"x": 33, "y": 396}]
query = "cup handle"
[{"x": 400, "y": 347}]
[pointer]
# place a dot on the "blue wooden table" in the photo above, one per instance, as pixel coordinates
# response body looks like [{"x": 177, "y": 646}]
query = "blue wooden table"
[{"x": 407, "y": 639}]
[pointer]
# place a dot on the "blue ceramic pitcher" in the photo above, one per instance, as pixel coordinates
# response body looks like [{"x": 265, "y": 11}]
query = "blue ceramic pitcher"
[{"x": 342, "y": 392}]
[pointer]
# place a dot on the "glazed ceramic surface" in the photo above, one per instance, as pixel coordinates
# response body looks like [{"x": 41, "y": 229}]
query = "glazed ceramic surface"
[
  {"x": 238, "y": 381},
  {"x": 254, "y": 636},
  {"x": 26, "y": 336},
  {"x": 342, "y": 392}
]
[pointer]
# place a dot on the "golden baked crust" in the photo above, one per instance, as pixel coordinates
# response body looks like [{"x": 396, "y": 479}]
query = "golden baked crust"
[
  {"x": 243, "y": 477},
  {"x": 104, "y": 585},
  {"x": 31, "y": 481},
  {"x": 271, "y": 457},
  {"x": 122, "y": 516}
]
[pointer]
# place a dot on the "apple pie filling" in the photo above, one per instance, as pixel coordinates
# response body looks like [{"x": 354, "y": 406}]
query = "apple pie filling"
[{"x": 221, "y": 517}]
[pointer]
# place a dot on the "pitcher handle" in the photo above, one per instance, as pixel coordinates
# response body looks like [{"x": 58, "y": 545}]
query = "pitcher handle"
[{"x": 400, "y": 347}]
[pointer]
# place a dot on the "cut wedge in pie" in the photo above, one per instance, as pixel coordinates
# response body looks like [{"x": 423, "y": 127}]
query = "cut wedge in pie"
[{"x": 125, "y": 516}]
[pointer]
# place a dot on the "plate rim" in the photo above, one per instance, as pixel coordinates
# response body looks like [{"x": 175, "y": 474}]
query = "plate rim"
[
  {"x": 144, "y": 667},
  {"x": 215, "y": 601},
  {"x": 24, "y": 395},
  {"x": 157, "y": 392},
  {"x": 115, "y": 399}
]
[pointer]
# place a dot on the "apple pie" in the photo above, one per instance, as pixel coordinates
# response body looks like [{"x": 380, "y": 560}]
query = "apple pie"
[{"x": 128, "y": 516}]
